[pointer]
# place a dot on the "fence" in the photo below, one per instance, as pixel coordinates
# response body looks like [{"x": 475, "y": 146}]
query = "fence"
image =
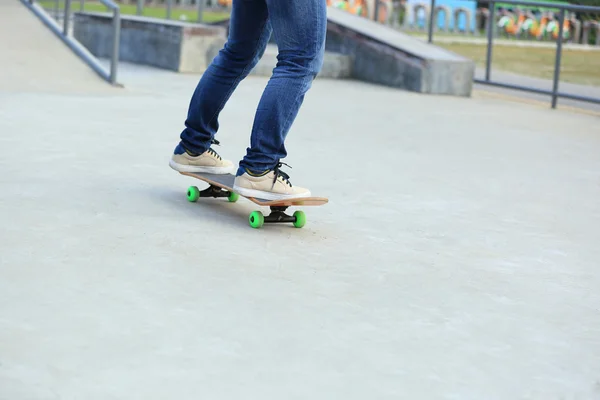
[
  {"x": 65, "y": 36},
  {"x": 554, "y": 93}
]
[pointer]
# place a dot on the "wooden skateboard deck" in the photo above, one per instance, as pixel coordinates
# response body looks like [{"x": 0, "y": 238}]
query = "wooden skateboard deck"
[{"x": 221, "y": 185}]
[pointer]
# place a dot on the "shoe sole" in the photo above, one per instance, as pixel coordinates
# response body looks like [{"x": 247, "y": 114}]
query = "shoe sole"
[
  {"x": 194, "y": 168},
  {"x": 259, "y": 194}
]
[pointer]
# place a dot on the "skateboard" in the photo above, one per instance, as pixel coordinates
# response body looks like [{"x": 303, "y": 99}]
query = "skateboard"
[{"x": 221, "y": 185}]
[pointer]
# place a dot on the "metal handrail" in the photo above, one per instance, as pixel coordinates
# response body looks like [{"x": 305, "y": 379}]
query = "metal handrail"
[
  {"x": 81, "y": 51},
  {"x": 559, "y": 41}
]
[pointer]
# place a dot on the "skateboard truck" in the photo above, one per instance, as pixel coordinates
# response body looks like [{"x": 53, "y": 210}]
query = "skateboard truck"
[
  {"x": 277, "y": 215},
  {"x": 214, "y": 191},
  {"x": 194, "y": 194}
]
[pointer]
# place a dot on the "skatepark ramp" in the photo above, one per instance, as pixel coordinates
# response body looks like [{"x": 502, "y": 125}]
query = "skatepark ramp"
[
  {"x": 385, "y": 56},
  {"x": 63, "y": 32}
]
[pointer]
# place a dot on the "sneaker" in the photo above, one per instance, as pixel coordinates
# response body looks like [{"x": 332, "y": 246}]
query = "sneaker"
[
  {"x": 209, "y": 162},
  {"x": 271, "y": 185}
]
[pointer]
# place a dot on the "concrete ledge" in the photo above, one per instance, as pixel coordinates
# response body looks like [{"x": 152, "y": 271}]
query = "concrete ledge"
[
  {"x": 173, "y": 45},
  {"x": 385, "y": 56}
]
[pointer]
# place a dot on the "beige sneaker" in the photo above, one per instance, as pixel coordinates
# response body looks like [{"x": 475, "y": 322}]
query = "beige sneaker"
[
  {"x": 209, "y": 162},
  {"x": 273, "y": 185}
]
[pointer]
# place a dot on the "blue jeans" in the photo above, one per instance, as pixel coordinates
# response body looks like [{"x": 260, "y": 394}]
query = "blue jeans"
[{"x": 299, "y": 28}]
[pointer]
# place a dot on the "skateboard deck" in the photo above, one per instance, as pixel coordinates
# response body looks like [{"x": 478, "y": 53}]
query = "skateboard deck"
[{"x": 221, "y": 185}]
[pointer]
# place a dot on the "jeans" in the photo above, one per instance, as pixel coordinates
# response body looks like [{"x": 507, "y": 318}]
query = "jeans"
[{"x": 299, "y": 28}]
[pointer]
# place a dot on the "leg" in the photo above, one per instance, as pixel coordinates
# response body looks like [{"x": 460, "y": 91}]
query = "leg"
[
  {"x": 249, "y": 33},
  {"x": 299, "y": 28}
]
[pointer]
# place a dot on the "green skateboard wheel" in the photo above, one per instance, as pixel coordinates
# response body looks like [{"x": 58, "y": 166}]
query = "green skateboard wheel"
[
  {"x": 233, "y": 197},
  {"x": 193, "y": 193},
  {"x": 300, "y": 219},
  {"x": 256, "y": 219}
]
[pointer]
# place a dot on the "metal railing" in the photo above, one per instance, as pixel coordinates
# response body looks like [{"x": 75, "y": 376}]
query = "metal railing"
[
  {"x": 555, "y": 93},
  {"x": 74, "y": 45}
]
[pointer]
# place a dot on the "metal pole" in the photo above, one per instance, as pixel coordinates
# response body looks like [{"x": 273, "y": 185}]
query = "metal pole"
[
  {"x": 56, "y": 10},
  {"x": 561, "y": 21},
  {"x": 431, "y": 21},
  {"x": 169, "y": 5},
  {"x": 114, "y": 61},
  {"x": 490, "y": 35},
  {"x": 376, "y": 11},
  {"x": 67, "y": 15},
  {"x": 140, "y": 7},
  {"x": 200, "y": 10},
  {"x": 81, "y": 5}
]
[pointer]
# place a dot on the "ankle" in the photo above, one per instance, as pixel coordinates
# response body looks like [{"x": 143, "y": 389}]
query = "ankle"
[
  {"x": 182, "y": 149},
  {"x": 241, "y": 171},
  {"x": 190, "y": 153}
]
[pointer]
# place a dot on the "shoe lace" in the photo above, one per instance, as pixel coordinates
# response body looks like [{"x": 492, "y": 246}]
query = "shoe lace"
[
  {"x": 280, "y": 174},
  {"x": 211, "y": 151}
]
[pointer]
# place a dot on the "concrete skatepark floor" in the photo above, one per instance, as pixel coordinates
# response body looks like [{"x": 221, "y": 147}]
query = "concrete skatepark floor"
[{"x": 457, "y": 258}]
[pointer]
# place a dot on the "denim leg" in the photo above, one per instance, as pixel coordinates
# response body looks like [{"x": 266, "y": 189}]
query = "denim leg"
[
  {"x": 299, "y": 28},
  {"x": 249, "y": 32}
]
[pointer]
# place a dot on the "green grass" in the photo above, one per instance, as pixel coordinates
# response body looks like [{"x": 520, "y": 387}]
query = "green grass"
[
  {"x": 459, "y": 35},
  {"x": 577, "y": 66},
  {"x": 148, "y": 11}
]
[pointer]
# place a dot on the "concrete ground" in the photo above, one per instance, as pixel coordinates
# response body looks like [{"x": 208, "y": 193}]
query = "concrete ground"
[{"x": 457, "y": 258}]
